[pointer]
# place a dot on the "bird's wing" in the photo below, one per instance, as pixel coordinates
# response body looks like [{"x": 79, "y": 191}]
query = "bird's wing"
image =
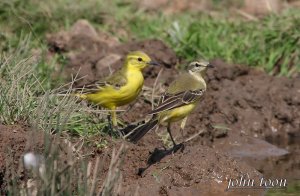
[
  {"x": 116, "y": 81},
  {"x": 171, "y": 101}
]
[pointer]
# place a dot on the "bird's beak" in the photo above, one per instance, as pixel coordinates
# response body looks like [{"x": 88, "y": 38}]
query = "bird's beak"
[
  {"x": 210, "y": 65},
  {"x": 153, "y": 63}
]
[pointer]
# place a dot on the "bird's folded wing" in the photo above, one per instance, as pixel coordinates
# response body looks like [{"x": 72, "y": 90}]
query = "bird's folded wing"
[
  {"x": 116, "y": 81},
  {"x": 171, "y": 101}
]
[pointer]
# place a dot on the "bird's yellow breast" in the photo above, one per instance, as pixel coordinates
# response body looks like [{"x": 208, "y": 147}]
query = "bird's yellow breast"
[
  {"x": 177, "y": 113},
  {"x": 111, "y": 97}
]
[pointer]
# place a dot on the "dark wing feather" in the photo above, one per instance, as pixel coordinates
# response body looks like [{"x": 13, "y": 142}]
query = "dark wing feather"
[
  {"x": 169, "y": 101},
  {"x": 167, "y": 97},
  {"x": 91, "y": 87},
  {"x": 191, "y": 96}
]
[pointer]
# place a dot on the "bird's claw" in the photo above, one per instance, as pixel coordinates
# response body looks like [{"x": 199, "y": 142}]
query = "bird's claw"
[{"x": 177, "y": 147}]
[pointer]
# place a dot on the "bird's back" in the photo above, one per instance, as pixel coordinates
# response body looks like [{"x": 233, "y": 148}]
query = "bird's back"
[{"x": 185, "y": 82}]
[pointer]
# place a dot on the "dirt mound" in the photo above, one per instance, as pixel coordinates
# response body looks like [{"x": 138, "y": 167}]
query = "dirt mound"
[
  {"x": 188, "y": 172},
  {"x": 92, "y": 54},
  {"x": 251, "y": 102},
  {"x": 197, "y": 169},
  {"x": 148, "y": 170}
]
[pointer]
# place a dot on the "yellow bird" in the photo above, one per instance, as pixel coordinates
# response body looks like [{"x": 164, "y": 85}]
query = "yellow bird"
[
  {"x": 177, "y": 102},
  {"x": 120, "y": 88}
]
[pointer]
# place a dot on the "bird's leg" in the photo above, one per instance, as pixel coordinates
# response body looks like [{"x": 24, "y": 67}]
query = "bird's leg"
[
  {"x": 110, "y": 126},
  {"x": 114, "y": 117},
  {"x": 115, "y": 122},
  {"x": 169, "y": 131},
  {"x": 182, "y": 125}
]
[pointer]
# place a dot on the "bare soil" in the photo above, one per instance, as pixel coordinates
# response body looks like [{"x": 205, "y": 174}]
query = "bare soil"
[
  {"x": 248, "y": 122},
  {"x": 15, "y": 141}
]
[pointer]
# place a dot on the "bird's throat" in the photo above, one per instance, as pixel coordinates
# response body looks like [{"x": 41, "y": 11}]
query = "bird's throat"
[{"x": 198, "y": 77}]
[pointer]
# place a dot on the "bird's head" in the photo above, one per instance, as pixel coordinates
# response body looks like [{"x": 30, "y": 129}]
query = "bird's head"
[
  {"x": 199, "y": 66},
  {"x": 138, "y": 60}
]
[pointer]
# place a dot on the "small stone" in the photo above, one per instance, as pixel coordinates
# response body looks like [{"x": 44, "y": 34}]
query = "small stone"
[
  {"x": 83, "y": 27},
  {"x": 107, "y": 61}
]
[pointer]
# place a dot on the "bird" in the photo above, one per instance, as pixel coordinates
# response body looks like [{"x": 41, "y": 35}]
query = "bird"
[
  {"x": 120, "y": 88},
  {"x": 176, "y": 103}
]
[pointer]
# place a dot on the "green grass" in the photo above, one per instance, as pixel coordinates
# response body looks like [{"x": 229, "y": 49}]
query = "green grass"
[
  {"x": 41, "y": 16},
  {"x": 27, "y": 97},
  {"x": 18, "y": 89},
  {"x": 61, "y": 171},
  {"x": 271, "y": 43},
  {"x": 292, "y": 189}
]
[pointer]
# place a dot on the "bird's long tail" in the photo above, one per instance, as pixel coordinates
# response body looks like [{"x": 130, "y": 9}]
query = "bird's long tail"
[{"x": 138, "y": 132}]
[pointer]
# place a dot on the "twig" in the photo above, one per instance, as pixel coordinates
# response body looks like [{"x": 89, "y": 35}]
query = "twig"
[
  {"x": 113, "y": 175},
  {"x": 153, "y": 88},
  {"x": 246, "y": 15},
  {"x": 194, "y": 136}
]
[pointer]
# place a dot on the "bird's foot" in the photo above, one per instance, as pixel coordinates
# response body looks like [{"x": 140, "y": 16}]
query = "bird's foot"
[
  {"x": 177, "y": 147},
  {"x": 110, "y": 124},
  {"x": 113, "y": 129}
]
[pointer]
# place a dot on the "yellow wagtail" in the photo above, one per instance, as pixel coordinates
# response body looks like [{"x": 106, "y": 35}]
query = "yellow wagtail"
[
  {"x": 177, "y": 102},
  {"x": 120, "y": 88}
]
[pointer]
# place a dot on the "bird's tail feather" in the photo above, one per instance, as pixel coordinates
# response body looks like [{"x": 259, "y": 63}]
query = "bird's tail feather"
[{"x": 137, "y": 133}]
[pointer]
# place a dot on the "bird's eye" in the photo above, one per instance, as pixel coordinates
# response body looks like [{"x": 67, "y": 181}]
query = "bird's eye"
[
  {"x": 140, "y": 59},
  {"x": 197, "y": 65}
]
